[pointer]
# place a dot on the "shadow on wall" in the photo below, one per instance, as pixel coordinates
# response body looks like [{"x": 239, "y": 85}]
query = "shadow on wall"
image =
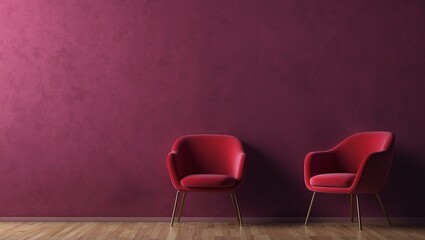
[
  {"x": 268, "y": 190},
  {"x": 406, "y": 184}
]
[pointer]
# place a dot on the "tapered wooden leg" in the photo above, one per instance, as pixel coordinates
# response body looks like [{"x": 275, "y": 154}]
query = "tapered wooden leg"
[
  {"x": 309, "y": 209},
  {"x": 236, "y": 206},
  {"x": 181, "y": 206},
  {"x": 351, "y": 208},
  {"x": 233, "y": 203},
  {"x": 383, "y": 209},
  {"x": 359, "y": 219},
  {"x": 174, "y": 208}
]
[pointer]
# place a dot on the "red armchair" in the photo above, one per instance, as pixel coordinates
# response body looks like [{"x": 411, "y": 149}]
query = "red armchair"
[
  {"x": 207, "y": 163},
  {"x": 359, "y": 164}
]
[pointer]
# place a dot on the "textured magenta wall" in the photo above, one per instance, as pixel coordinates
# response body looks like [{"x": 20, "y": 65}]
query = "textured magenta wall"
[{"x": 93, "y": 93}]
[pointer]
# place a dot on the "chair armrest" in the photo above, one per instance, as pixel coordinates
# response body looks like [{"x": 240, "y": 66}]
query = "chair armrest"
[
  {"x": 319, "y": 162},
  {"x": 373, "y": 172},
  {"x": 172, "y": 170},
  {"x": 240, "y": 167}
]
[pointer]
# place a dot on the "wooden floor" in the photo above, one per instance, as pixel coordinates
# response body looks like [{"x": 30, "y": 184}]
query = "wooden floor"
[{"x": 216, "y": 231}]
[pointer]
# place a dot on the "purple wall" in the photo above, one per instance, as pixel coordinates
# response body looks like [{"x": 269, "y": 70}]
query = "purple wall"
[{"x": 93, "y": 93}]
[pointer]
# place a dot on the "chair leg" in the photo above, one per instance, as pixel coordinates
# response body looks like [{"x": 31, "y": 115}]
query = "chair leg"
[
  {"x": 174, "y": 208},
  {"x": 181, "y": 207},
  {"x": 233, "y": 203},
  {"x": 351, "y": 207},
  {"x": 309, "y": 209},
  {"x": 383, "y": 209},
  {"x": 236, "y": 206},
  {"x": 359, "y": 219}
]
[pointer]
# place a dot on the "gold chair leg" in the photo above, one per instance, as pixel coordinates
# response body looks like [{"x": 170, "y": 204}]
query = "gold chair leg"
[
  {"x": 181, "y": 207},
  {"x": 309, "y": 209},
  {"x": 383, "y": 209},
  {"x": 174, "y": 208},
  {"x": 236, "y": 206},
  {"x": 351, "y": 207},
  {"x": 233, "y": 203},
  {"x": 359, "y": 219}
]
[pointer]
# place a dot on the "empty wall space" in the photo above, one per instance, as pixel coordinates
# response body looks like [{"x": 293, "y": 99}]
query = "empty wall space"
[{"x": 93, "y": 94}]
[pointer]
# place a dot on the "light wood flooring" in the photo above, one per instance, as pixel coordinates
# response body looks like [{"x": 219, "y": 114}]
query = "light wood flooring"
[{"x": 206, "y": 230}]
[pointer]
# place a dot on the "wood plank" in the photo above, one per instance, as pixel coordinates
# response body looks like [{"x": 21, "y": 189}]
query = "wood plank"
[{"x": 205, "y": 230}]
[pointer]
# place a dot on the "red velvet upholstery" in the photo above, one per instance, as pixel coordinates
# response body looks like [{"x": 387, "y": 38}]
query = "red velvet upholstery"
[
  {"x": 359, "y": 164},
  {"x": 333, "y": 180},
  {"x": 367, "y": 155},
  {"x": 208, "y": 181},
  {"x": 206, "y": 162}
]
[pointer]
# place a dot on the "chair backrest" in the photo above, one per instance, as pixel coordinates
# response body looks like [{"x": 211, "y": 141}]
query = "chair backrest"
[
  {"x": 207, "y": 154},
  {"x": 356, "y": 148}
]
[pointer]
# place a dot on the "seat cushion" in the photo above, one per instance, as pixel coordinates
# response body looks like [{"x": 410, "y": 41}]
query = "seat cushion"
[
  {"x": 208, "y": 181},
  {"x": 333, "y": 180}
]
